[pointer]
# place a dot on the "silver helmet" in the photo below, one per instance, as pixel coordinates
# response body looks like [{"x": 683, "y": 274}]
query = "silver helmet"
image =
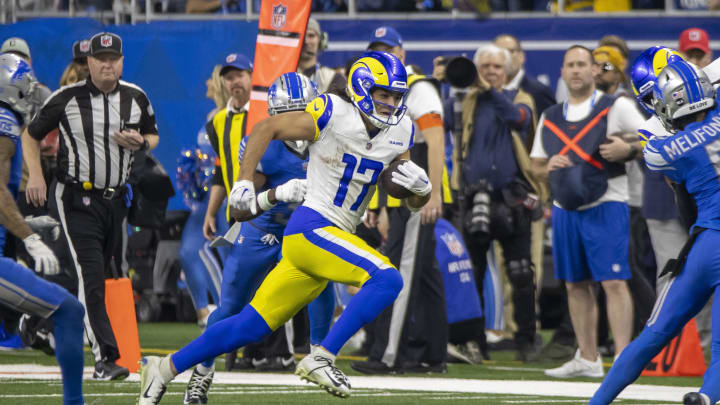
[
  {"x": 17, "y": 84},
  {"x": 681, "y": 90},
  {"x": 291, "y": 92}
]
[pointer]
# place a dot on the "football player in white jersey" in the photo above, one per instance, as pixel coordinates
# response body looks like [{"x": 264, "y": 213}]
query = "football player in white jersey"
[{"x": 353, "y": 137}]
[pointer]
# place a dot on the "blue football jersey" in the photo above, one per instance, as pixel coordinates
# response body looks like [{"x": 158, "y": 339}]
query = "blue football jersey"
[
  {"x": 692, "y": 157},
  {"x": 9, "y": 127},
  {"x": 279, "y": 164}
]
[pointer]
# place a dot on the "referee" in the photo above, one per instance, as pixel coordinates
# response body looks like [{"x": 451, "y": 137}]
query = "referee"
[{"x": 102, "y": 121}]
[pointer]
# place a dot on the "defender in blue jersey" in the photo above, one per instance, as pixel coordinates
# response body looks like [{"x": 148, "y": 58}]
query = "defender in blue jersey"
[
  {"x": 281, "y": 178},
  {"x": 688, "y": 154},
  {"x": 20, "y": 289}
]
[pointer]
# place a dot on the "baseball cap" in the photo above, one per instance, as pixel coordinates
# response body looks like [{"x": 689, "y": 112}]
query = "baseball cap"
[
  {"x": 17, "y": 45},
  {"x": 81, "y": 49},
  {"x": 386, "y": 35},
  {"x": 105, "y": 42},
  {"x": 611, "y": 55},
  {"x": 236, "y": 61},
  {"x": 694, "y": 38}
]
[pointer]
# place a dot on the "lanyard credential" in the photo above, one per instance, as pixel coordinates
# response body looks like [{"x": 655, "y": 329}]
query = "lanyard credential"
[{"x": 592, "y": 105}]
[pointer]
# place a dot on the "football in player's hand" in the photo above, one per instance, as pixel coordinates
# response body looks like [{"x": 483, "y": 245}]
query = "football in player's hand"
[{"x": 386, "y": 183}]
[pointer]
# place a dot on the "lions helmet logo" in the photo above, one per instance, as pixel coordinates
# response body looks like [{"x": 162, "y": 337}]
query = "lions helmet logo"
[{"x": 106, "y": 41}]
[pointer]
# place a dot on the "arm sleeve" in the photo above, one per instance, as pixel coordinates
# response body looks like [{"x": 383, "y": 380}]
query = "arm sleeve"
[
  {"x": 422, "y": 100},
  {"x": 147, "y": 116},
  {"x": 212, "y": 137},
  {"x": 48, "y": 118},
  {"x": 538, "y": 151},
  {"x": 516, "y": 115},
  {"x": 624, "y": 116}
]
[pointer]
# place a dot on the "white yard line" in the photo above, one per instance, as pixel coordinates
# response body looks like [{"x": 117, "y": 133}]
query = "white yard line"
[{"x": 535, "y": 388}]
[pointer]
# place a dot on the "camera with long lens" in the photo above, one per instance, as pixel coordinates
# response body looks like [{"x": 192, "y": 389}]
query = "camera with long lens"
[
  {"x": 461, "y": 72},
  {"x": 477, "y": 218}
]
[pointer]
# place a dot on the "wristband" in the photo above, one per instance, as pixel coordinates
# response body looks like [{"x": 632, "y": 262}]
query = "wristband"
[
  {"x": 145, "y": 146},
  {"x": 263, "y": 200}
]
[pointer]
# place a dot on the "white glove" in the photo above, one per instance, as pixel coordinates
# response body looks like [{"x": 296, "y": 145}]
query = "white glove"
[
  {"x": 45, "y": 226},
  {"x": 242, "y": 196},
  {"x": 45, "y": 260},
  {"x": 413, "y": 178},
  {"x": 293, "y": 191}
]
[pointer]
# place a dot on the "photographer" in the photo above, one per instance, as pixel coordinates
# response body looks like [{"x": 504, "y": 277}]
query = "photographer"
[{"x": 494, "y": 185}]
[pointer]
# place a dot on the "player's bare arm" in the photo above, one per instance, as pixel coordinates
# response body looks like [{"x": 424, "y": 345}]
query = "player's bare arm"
[
  {"x": 36, "y": 190},
  {"x": 10, "y": 217}
]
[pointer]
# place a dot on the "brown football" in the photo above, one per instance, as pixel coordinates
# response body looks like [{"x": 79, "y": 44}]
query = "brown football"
[{"x": 386, "y": 183}]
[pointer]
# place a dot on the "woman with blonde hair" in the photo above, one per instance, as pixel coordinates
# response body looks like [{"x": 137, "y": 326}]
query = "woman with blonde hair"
[{"x": 196, "y": 168}]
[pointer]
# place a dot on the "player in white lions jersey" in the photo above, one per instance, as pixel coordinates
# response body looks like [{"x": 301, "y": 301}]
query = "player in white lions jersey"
[{"x": 354, "y": 137}]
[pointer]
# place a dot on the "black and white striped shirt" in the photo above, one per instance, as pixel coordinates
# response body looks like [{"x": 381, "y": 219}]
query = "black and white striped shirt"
[{"x": 87, "y": 118}]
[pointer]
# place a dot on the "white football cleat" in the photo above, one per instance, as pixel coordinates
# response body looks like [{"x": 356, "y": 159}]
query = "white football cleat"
[
  {"x": 578, "y": 367},
  {"x": 152, "y": 386},
  {"x": 318, "y": 367}
]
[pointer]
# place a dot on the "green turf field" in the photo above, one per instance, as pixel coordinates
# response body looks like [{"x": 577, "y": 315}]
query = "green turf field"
[{"x": 159, "y": 339}]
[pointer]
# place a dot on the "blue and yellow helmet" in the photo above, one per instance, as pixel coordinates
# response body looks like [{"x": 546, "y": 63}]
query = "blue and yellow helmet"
[
  {"x": 377, "y": 70},
  {"x": 645, "y": 70}
]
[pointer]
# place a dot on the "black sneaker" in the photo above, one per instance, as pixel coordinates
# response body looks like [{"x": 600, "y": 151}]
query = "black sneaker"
[
  {"x": 374, "y": 367},
  {"x": 277, "y": 363},
  {"x": 198, "y": 387},
  {"x": 230, "y": 359},
  {"x": 107, "y": 370},
  {"x": 695, "y": 398},
  {"x": 425, "y": 368}
]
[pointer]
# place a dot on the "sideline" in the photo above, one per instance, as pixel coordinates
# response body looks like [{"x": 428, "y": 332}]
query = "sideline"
[{"x": 426, "y": 384}]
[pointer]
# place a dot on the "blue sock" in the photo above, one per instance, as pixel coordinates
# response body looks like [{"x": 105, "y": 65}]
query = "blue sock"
[
  {"x": 222, "y": 337},
  {"x": 629, "y": 365},
  {"x": 374, "y": 296},
  {"x": 321, "y": 311},
  {"x": 68, "y": 330}
]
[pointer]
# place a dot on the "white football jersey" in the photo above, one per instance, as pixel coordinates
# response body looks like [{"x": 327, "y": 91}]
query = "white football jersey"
[{"x": 345, "y": 162}]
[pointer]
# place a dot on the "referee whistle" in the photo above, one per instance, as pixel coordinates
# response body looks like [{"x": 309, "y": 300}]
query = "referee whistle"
[{"x": 87, "y": 185}]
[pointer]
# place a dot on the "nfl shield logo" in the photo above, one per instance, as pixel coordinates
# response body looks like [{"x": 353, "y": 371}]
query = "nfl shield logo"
[
  {"x": 105, "y": 41},
  {"x": 279, "y": 16},
  {"x": 380, "y": 32},
  {"x": 453, "y": 244},
  {"x": 86, "y": 201},
  {"x": 678, "y": 97},
  {"x": 85, "y": 45}
]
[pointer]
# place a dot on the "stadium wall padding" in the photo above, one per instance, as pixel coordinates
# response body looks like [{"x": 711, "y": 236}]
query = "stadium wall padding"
[{"x": 172, "y": 59}]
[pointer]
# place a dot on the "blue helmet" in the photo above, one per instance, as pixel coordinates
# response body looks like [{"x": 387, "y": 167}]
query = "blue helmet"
[
  {"x": 645, "y": 70},
  {"x": 290, "y": 92},
  {"x": 377, "y": 70},
  {"x": 682, "y": 90}
]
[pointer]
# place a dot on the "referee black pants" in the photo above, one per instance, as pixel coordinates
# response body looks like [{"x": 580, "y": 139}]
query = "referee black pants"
[
  {"x": 414, "y": 329},
  {"x": 93, "y": 226}
]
